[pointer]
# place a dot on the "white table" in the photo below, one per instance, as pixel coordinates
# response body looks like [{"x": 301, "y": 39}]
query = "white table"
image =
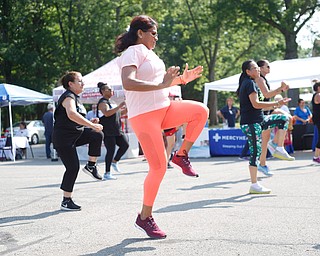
[{"x": 17, "y": 142}]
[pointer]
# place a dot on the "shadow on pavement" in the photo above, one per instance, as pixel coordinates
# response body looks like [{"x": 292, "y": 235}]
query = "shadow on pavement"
[
  {"x": 221, "y": 184},
  {"x": 211, "y": 203},
  {"x": 39, "y": 216},
  {"x": 122, "y": 249}
]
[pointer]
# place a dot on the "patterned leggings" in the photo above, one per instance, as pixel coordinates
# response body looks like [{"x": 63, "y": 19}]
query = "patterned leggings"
[{"x": 253, "y": 132}]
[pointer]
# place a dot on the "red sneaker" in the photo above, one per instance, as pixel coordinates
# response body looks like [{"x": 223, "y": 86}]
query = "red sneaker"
[
  {"x": 183, "y": 163},
  {"x": 149, "y": 227}
]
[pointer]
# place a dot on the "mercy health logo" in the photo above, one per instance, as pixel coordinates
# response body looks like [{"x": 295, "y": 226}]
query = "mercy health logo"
[{"x": 218, "y": 137}]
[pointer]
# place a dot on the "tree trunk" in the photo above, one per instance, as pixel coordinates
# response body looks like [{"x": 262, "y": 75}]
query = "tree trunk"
[
  {"x": 212, "y": 104},
  {"x": 213, "y": 99},
  {"x": 291, "y": 45}
]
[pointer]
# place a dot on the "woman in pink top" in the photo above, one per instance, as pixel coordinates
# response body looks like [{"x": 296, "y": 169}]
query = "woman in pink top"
[{"x": 150, "y": 111}]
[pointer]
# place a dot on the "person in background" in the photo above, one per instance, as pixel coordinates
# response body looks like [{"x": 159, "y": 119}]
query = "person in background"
[
  {"x": 276, "y": 145},
  {"x": 92, "y": 113},
  {"x": 316, "y": 118},
  {"x": 150, "y": 111},
  {"x": 171, "y": 135},
  {"x": 47, "y": 120},
  {"x": 71, "y": 129},
  {"x": 253, "y": 121},
  {"x": 302, "y": 113},
  {"x": 229, "y": 113},
  {"x": 113, "y": 133},
  {"x": 23, "y": 132}
]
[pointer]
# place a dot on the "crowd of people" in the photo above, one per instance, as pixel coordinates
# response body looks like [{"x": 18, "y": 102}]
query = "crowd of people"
[{"x": 155, "y": 118}]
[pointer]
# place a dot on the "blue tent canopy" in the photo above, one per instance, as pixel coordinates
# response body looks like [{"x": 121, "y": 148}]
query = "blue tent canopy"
[
  {"x": 13, "y": 95},
  {"x": 19, "y": 96}
]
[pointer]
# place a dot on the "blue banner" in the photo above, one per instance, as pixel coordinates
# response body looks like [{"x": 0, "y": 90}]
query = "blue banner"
[{"x": 226, "y": 142}]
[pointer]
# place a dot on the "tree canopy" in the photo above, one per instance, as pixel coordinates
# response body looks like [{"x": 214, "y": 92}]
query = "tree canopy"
[{"x": 41, "y": 39}]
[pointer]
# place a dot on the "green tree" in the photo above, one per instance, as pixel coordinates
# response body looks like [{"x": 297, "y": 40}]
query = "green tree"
[{"x": 287, "y": 16}]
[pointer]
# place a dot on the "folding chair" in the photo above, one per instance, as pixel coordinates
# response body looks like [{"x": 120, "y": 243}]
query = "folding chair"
[
  {"x": 7, "y": 146},
  {"x": 31, "y": 149}
]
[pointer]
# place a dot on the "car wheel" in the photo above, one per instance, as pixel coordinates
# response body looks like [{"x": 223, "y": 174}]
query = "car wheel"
[{"x": 34, "y": 139}]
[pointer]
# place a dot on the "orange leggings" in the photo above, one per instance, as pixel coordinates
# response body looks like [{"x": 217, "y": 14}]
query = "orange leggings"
[{"x": 148, "y": 129}]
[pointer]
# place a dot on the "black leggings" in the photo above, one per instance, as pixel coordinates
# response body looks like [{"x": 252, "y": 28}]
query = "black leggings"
[
  {"x": 110, "y": 142},
  {"x": 70, "y": 159},
  {"x": 318, "y": 143}
]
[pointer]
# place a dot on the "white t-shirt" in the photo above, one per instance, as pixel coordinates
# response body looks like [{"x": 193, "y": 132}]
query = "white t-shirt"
[
  {"x": 22, "y": 133},
  {"x": 149, "y": 68}
]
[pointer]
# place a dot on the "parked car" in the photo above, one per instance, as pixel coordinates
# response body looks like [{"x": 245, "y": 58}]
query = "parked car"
[{"x": 36, "y": 130}]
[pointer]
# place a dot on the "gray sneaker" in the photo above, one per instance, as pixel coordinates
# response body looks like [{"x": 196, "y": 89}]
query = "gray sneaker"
[
  {"x": 259, "y": 190},
  {"x": 109, "y": 176},
  {"x": 115, "y": 167},
  {"x": 265, "y": 170},
  {"x": 282, "y": 154}
]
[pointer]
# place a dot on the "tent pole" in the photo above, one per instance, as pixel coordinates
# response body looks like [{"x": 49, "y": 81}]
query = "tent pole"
[
  {"x": 205, "y": 96},
  {"x": 54, "y": 158},
  {"x": 0, "y": 122},
  {"x": 11, "y": 128}
]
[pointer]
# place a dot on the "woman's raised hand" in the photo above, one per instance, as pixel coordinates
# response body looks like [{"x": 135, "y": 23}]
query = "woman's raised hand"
[
  {"x": 97, "y": 127},
  {"x": 190, "y": 75},
  {"x": 171, "y": 74},
  {"x": 284, "y": 87}
]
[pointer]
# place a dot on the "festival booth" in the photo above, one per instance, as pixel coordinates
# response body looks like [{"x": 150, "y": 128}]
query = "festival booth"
[
  {"x": 13, "y": 95},
  {"x": 298, "y": 73}
]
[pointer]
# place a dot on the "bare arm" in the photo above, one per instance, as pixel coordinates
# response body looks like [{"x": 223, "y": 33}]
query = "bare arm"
[
  {"x": 131, "y": 83},
  {"x": 317, "y": 98},
  {"x": 238, "y": 113},
  {"x": 220, "y": 114},
  {"x": 70, "y": 106},
  {"x": 265, "y": 91},
  {"x": 265, "y": 105},
  {"x": 104, "y": 108}
]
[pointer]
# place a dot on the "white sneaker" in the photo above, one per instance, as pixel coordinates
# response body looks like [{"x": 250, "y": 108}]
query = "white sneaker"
[
  {"x": 115, "y": 167},
  {"x": 109, "y": 176},
  {"x": 282, "y": 154},
  {"x": 258, "y": 189}
]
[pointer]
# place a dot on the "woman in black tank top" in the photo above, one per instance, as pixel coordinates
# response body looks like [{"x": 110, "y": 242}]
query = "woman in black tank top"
[
  {"x": 71, "y": 129},
  {"x": 316, "y": 118},
  {"x": 109, "y": 114}
]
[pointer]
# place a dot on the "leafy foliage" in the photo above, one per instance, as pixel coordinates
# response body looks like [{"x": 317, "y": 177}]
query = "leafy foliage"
[{"x": 41, "y": 39}]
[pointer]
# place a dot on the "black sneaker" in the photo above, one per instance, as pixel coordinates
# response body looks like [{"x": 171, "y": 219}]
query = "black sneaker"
[
  {"x": 92, "y": 171},
  {"x": 69, "y": 205}
]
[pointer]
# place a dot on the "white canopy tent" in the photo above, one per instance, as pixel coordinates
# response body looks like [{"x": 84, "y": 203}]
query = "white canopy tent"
[
  {"x": 298, "y": 73},
  {"x": 108, "y": 73}
]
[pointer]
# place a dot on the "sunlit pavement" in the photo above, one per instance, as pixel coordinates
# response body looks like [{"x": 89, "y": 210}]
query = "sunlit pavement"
[{"x": 209, "y": 215}]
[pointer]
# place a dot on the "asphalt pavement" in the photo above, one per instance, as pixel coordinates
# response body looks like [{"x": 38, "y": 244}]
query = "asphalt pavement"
[{"x": 209, "y": 215}]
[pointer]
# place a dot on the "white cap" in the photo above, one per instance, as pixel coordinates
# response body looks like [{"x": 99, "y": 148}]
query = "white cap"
[{"x": 50, "y": 106}]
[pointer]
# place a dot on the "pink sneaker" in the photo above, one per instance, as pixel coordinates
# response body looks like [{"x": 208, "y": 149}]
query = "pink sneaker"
[
  {"x": 316, "y": 160},
  {"x": 183, "y": 163},
  {"x": 149, "y": 227}
]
